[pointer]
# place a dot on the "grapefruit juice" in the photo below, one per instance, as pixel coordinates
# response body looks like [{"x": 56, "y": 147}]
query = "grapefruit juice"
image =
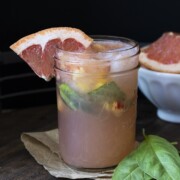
[{"x": 96, "y": 99}]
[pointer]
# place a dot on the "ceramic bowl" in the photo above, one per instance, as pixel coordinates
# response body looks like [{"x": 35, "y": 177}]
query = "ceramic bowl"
[{"x": 163, "y": 90}]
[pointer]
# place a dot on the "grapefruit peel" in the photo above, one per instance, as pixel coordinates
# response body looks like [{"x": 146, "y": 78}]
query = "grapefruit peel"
[{"x": 33, "y": 48}]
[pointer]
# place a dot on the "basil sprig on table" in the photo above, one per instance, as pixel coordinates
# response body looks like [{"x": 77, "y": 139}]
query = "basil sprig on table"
[{"x": 155, "y": 158}]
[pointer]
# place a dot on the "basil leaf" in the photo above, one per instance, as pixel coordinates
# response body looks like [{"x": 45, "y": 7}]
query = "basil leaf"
[
  {"x": 108, "y": 92},
  {"x": 128, "y": 169},
  {"x": 158, "y": 158},
  {"x": 69, "y": 96},
  {"x": 76, "y": 101}
]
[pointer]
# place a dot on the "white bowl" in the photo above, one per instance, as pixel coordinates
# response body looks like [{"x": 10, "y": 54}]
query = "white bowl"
[{"x": 163, "y": 90}]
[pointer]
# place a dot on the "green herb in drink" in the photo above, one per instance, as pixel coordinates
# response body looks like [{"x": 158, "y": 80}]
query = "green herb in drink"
[
  {"x": 108, "y": 92},
  {"x": 75, "y": 100},
  {"x": 69, "y": 96},
  {"x": 107, "y": 96}
]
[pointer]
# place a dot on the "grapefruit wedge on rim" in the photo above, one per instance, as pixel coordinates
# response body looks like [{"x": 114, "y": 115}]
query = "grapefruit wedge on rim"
[{"x": 38, "y": 49}]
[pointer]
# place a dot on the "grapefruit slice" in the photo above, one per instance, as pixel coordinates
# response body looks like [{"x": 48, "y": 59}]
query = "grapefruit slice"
[
  {"x": 162, "y": 55},
  {"x": 38, "y": 49}
]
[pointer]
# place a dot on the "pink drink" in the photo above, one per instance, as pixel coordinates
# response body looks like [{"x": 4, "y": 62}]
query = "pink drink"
[{"x": 96, "y": 96}]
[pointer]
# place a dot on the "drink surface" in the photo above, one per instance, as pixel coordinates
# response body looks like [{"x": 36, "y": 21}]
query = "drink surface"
[
  {"x": 104, "y": 46},
  {"x": 96, "y": 105}
]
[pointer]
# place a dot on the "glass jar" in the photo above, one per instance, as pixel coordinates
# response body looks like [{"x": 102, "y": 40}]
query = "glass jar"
[{"x": 96, "y": 99}]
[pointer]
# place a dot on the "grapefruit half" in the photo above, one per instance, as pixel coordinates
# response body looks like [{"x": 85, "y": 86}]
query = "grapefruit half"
[
  {"x": 38, "y": 49},
  {"x": 162, "y": 55}
]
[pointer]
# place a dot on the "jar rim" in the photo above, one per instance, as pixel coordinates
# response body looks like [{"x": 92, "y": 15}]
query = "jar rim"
[
  {"x": 118, "y": 59},
  {"x": 100, "y": 38}
]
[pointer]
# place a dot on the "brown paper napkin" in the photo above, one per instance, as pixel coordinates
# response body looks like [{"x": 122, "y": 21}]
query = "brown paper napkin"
[{"x": 43, "y": 146}]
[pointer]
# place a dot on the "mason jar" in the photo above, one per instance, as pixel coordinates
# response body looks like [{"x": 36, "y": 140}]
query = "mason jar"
[{"x": 96, "y": 100}]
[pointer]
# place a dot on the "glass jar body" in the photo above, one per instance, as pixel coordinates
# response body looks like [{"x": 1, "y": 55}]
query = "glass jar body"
[{"x": 97, "y": 99}]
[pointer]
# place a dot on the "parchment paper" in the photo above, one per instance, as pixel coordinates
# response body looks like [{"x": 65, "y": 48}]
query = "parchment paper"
[{"x": 43, "y": 146}]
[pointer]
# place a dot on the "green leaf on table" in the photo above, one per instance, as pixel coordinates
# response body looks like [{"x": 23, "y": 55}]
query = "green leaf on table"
[
  {"x": 128, "y": 169},
  {"x": 155, "y": 158},
  {"x": 158, "y": 158}
]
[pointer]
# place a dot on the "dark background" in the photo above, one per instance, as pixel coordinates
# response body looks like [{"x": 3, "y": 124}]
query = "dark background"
[{"x": 141, "y": 20}]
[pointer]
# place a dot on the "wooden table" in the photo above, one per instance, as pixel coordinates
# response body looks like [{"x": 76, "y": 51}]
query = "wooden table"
[{"x": 17, "y": 164}]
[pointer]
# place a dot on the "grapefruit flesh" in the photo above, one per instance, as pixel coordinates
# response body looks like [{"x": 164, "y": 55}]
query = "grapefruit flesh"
[
  {"x": 38, "y": 49},
  {"x": 166, "y": 49},
  {"x": 163, "y": 55}
]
